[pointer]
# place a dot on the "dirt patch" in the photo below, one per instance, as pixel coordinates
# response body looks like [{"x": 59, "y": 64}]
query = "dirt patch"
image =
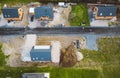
[
  {"x": 64, "y": 40},
  {"x": 61, "y": 17},
  {"x": 12, "y": 48},
  {"x": 68, "y": 56}
]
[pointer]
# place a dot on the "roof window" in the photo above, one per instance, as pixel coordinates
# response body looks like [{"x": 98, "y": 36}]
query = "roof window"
[
  {"x": 110, "y": 14},
  {"x": 36, "y": 58},
  {"x": 100, "y": 14},
  {"x": 5, "y": 15},
  {"x": 8, "y": 15},
  {"x": 33, "y": 58}
]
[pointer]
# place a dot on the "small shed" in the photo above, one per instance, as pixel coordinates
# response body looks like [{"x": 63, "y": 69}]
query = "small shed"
[
  {"x": 41, "y": 53},
  {"x": 31, "y": 10},
  {"x": 61, "y": 4}
]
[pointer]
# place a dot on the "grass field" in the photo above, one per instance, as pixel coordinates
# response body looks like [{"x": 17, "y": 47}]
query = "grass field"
[
  {"x": 107, "y": 58},
  {"x": 79, "y": 15},
  {"x": 0, "y": 7},
  {"x": 54, "y": 72},
  {"x": 2, "y": 57}
]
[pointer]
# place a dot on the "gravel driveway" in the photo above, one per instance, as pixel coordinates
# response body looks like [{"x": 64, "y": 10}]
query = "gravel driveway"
[
  {"x": 55, "y": 53},
  {"x": 30, "y": 41}
]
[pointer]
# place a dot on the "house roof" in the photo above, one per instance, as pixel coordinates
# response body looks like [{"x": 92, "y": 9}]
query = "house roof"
[
  {"x": 33, "y": 75},
  {"x": 107, "y": 10},
  {"x": 43, "y": 11},
  {"x": 10, "y": 12},
  {"x": 40, "y": 53}
]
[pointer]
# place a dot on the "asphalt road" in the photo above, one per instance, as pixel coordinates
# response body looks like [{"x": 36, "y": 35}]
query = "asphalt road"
[{"x": 64, "y": 30}]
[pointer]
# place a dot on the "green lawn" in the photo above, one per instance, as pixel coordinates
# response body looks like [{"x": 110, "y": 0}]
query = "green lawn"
[
  {"x": 2, "y": 57},
  {"x": 54, "y": 72},
  {"x": 107, "y": 57},
  {"x": 0, "y": 7},
  {"x": 79, "y": 15}
]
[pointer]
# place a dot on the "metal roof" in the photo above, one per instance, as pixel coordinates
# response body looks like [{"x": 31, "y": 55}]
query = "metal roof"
[
  {"x": 107, "y": 10},
  {"x": 43, "y": 11},
  {"x": 37, "y": 54},
  {"x": 10, "y": 12},
  {"x": 32, "y": 75}
]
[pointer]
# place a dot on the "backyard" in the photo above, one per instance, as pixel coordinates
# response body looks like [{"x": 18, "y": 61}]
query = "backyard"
[
  {"x": 79, "y": 15},
  {"x": 103, "y": 63},
  {"x": 106, "y": 59}
]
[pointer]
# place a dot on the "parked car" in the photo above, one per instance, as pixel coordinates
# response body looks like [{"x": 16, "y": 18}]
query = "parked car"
[{"x": 32, "y": 18}]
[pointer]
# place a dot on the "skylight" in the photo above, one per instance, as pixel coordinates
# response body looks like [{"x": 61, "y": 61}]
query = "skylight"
[
  {"x": 110, "y": 13},
  {"x": 100, "y": 14}
]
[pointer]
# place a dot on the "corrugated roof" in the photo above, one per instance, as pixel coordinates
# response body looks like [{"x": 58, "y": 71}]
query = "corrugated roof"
[
  {"x": 40, "y": 54},
  {"x": 43, "y": 11},
  {"x": 107, "y": 10},
  {"x": 10, "y": 12}
]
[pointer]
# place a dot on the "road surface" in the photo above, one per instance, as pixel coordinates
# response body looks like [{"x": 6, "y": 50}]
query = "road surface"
[{"x": 64, "y": 30}]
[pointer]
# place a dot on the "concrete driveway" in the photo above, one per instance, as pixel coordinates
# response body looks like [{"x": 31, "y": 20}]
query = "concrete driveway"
[{"x": 99, "y": 23}]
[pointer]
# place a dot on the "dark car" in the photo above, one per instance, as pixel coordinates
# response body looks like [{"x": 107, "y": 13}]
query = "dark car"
[{"x": 32, "y": 18}]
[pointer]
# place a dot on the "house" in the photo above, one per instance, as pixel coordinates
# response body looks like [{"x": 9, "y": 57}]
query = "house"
[
  {"x": 43, "y": 13},
  {"x": 41, "y": 53},
  {"x": 13, "y": 13},
  {"x": 105, "y": 12},
  {"x": 36, "y": 75}
]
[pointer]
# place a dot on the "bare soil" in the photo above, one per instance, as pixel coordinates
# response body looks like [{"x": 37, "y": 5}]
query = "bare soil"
[
  {"x": 12, "y": 48},
  {"x": 61, "y": 17},
  {"x": 64, "y": 40}
]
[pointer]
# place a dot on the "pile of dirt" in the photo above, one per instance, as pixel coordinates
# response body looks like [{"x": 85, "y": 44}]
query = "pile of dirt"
[{"x": 68, "y": 56}]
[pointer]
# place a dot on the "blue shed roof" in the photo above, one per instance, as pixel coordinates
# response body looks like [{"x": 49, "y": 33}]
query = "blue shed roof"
[
  {"x": 40, "y": 54},
  {"x": 107, "y": 10},
  {"x": 10, "y": 12},
  {"x": 43, "y": 11}
]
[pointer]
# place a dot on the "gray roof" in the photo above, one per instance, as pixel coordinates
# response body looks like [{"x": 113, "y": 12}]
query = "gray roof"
[
  {"x": 32, "y": 75},
  {"x": 40, "y": 54},
  {"x": 107, "y": 10},
  {"x": 43, "y": 11},
  {"x": 10, "y": 12}
]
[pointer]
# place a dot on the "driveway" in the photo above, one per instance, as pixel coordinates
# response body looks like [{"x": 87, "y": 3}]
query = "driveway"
[
  {"x": 30, "y": 41},
  {"x": 55, "y": 53},
  {"x": 99, "y": 23}
]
